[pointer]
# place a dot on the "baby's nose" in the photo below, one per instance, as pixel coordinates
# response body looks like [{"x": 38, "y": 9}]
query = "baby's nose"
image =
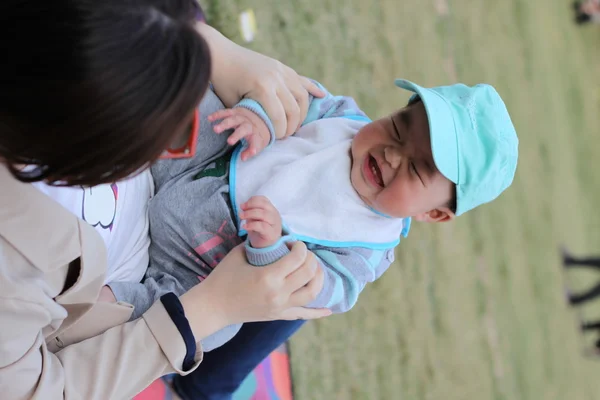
[{"x": 392, "y": 156}]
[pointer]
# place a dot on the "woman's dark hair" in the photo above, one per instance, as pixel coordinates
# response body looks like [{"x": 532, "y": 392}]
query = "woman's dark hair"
[{"x": 91, "y": 91}]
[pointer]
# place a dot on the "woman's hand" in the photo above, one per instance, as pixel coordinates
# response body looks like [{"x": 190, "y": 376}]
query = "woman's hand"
[
  {"x": 238, "y": 72},
  {"x": 237, "y": 292}
]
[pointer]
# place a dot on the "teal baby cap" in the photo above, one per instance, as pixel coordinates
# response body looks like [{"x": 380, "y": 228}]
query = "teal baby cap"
[{"x": 473, "y": 140}]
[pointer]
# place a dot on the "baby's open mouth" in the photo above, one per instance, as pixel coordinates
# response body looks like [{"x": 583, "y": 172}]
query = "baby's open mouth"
[{"x": 375, "y": 170}]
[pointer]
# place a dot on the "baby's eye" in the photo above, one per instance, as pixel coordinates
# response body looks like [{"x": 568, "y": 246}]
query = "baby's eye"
[
  {"x": 413, "y": 167},
  {"x": 396, "y": 129}
]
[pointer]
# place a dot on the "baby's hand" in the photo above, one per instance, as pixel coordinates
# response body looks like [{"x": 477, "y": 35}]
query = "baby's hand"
[
  {"x": 245, "y": 124},
  {"x": 262, "y": 221}
]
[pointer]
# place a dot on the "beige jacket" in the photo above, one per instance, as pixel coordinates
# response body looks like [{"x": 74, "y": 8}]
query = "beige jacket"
[{"x": 56, "y": 341}]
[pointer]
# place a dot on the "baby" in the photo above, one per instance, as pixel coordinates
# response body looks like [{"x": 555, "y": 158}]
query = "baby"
[{"x": 343, "y": 184}]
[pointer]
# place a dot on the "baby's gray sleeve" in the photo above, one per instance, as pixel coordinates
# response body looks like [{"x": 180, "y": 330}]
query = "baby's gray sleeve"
[{"x": 347, "y": 272}]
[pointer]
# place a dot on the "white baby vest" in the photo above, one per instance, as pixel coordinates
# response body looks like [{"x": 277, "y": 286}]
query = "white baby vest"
[{"x": 307, "y": 178}]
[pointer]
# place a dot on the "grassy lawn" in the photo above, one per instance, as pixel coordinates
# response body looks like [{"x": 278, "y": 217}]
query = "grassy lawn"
[{"x": 473, "y": 309}]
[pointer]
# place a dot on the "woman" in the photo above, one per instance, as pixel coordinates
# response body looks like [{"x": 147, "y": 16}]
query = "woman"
[{"x": 91, "y": 93}]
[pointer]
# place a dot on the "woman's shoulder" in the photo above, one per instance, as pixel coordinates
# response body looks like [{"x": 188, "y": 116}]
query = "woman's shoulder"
[{"x": 38, "y": 228}]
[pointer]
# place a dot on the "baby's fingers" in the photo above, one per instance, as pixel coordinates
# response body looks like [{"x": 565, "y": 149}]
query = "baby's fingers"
[
  {"x": 229, "y": 123},
  {"x": 256, "y": 226},
  {"x": 242, "y": 131},
  {"x": 248, "y": 153},
  {"x": 257, "y": 214},
  {"x": 221, "y": 114},
  {"x": 255, "y": 145},
  {"x": 257, "y": 202}
]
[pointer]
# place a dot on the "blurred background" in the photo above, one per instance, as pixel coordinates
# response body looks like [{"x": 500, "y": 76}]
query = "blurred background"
[{"x": 475, "y": 309}]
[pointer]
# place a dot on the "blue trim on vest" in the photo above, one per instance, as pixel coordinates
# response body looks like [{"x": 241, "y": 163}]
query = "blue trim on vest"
[
  {"x": 232, "y": 178},
  {"x": 406, "y": 227},
  {"x": 379, "y": 213}
]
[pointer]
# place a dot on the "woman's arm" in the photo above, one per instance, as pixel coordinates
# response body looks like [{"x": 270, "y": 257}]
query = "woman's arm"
[
  {"x": 107, "y": 366},
  {"x": 242, "y": 73},
  {"x": 113, "y": 365},
  {"x": 125, "y": 359}
]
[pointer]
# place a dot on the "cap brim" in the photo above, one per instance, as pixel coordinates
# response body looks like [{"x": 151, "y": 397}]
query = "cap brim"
[{"x": 442, "y": 131}]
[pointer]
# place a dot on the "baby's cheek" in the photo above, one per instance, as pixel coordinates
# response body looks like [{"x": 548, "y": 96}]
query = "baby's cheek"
[{"x": 396, "y": 203}]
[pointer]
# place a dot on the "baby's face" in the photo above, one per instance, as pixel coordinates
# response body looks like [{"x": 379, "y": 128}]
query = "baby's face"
[{"x": 393, "y": 169}]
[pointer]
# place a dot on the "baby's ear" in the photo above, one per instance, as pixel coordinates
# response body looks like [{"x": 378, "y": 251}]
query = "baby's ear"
[{"x": 442, "y": 214}]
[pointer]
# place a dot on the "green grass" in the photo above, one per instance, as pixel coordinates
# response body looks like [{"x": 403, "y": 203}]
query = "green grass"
[{"x": 473, "y": 309}]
